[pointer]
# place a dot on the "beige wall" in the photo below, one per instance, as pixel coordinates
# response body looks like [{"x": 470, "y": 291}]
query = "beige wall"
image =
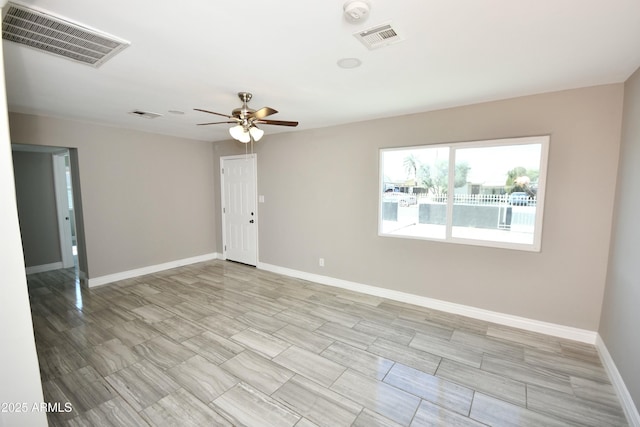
[
  {"x": 620, "y": 314},
  {"x": 147, "y": 199},
  {"x": 35, "y": 193},
  {"x": 321, "y": 200},
  {"x": 19, "y": 373},
  {"x": 150, "y": 199}
]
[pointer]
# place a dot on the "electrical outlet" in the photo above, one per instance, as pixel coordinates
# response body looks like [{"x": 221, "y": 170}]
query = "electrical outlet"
[{"x": 321, "y": 262}]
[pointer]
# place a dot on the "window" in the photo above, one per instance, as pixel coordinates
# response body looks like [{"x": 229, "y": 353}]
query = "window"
[{"x": 497, "y": 190}]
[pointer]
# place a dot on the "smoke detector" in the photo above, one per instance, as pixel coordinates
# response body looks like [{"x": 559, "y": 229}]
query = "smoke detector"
[{"x": 356, "y": 11}]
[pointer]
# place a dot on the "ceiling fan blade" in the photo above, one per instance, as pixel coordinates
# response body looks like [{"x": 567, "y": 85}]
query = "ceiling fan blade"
[
  {"x": 277, "y": 122},
  {"x": 216, "y": 123},
  {"x": 263, "y": 112},
  {"x": 213, "y": 112}
]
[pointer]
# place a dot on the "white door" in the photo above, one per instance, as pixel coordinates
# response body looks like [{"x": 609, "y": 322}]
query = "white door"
[
  {"x": 62, "y": 206},
  {"x": 239, "y": 213}
]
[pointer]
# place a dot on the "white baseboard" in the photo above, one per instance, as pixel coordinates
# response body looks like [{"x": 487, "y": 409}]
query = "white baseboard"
[
  {"x": 110, "y": 278},
  {"x": 629, "y": 407},
  {"x": 552, "y": 329},
  {"x": 44, "y": 267}
]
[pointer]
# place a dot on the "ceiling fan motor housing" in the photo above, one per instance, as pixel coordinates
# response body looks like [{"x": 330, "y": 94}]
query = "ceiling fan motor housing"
[
  {"x": 245, "y": 96},
  {"x": 242, "y": 112}
]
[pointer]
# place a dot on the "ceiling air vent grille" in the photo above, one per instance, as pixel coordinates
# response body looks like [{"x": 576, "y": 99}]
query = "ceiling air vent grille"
[
  {"x": 378, "y": 36},
  {"x": 43, "y": 31}
]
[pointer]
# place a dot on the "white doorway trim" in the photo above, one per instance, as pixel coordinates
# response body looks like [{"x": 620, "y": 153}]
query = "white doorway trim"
[
  {"x": 239, "y": 211},
  {"x": 62, "y": 209}
]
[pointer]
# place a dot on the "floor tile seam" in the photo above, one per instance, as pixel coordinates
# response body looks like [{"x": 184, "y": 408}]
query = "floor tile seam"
[
  {"x": 224, "y": 414},
  {"x": 614, "y": 410},
  {"x": 441, "y": 356},
  {"x": 393, "y": 386},
  {"x": 191, "y": 322},
  {"x": 560, "y": 418},
  {"x": 320, "y": 336},
  {"x": 489, "y": 393},
  {"x": 471, "y": 409},
  {"x": 407, "y": 345},
  {"x": 175, "y": 391},
  {"x": 491, "y": 374},
  {"x": 415, "y": 412},
  {"x": 562, "y": 371},
  {"x": 387, "y": 374},
  {"x": 124, "y": 399},
  {"x": 298, "y": 373},
  {"x": 345, "y": 398},
  {"x": 430, "y": 401},
  {"x": 526, "y": 407},
  {"x": 365, "y": 350},
  {"x": 513, "y": 346},
  {"x": 617, "y": 406},
  {"x": 534, "y": 372},
  {"x": 357, "y": 403},
  {"x": 351, "y": 329},
  {"x": 207, "y": 404}
]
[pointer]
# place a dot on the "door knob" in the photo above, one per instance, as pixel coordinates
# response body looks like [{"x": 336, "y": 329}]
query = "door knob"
[{"x": 251, "y": 222}]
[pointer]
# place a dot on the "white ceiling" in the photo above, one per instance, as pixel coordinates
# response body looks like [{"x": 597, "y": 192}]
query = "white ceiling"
[{"x": 197, "y": 54}]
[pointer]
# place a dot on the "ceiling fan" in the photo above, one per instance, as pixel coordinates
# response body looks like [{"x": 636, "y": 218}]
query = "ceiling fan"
[{"x": 246, "y": 119}]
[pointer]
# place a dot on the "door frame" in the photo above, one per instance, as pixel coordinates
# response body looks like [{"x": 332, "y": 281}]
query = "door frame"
[
  {"x": 62, "y": 208},
  {"x": 254, "y": 161}
]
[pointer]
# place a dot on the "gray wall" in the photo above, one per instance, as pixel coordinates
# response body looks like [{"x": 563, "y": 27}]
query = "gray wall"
[
  {"x": 321, "y": 200},
  {"x": 620, "y": 314},
  {"x": 35, "y": 193},
  {"x": 147, "y": 199}
]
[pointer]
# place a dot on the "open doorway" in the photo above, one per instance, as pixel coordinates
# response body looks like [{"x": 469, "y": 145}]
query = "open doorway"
[
  {"x": 64, "y": 209},
  {"x": 49, "y": 208}
]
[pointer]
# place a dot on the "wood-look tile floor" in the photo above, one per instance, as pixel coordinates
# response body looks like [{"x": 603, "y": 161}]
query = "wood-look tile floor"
[{"x": 219, "y": 343}]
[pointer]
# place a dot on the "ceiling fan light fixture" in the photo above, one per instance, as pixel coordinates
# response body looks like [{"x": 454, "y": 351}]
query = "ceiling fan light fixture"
[
  {"x": 236, "y": 132},
  {"x": 256, "y": 133},
  {"x": 245, "y": 137}
]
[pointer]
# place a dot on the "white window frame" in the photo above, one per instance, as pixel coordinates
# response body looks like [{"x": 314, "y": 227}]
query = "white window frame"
[{"x": 536, "y": 246}]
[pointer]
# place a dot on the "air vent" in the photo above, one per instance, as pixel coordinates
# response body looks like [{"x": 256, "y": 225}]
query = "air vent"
[
  {"x": 60, "y": 37},
  {"x": 378, "y": 36},
  {"x": 145, "y": 114}
]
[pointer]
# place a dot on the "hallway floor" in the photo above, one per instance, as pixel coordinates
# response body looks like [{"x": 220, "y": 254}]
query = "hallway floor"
[{"x": 219, "y": 343}]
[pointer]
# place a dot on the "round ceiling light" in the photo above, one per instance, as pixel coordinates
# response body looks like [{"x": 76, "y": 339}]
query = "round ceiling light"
[{"x": 349, "y": 63}]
